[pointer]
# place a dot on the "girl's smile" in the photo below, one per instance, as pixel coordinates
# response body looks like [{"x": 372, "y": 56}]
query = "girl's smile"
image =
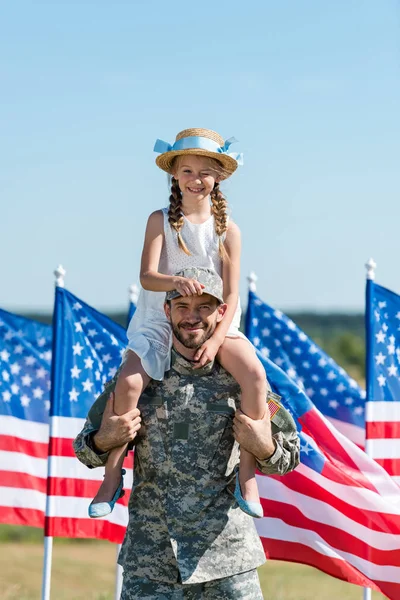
[{"x": 193, "y": 190}]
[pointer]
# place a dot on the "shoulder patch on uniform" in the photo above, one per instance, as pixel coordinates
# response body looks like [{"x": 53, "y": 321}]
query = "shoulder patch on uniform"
[
  {"x": 274, "y": 407},
  {"x": 274, "y": 404}
]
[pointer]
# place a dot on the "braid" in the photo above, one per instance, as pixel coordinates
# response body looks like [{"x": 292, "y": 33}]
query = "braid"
[
  {"x": 219, "y": 210},
  {"x": 175, "y": 216}
]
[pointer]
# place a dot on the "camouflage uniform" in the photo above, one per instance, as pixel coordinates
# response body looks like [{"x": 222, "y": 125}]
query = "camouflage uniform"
[
  {"x": 184, "y": 525},
  {"x": 244, "y": 586},
  {"x": 186, "y": 537}
]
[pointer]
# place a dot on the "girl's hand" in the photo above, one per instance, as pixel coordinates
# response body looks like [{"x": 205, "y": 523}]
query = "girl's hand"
[
  {"x": 207, "y": 352},
  {"x": 188, "y": 287}
]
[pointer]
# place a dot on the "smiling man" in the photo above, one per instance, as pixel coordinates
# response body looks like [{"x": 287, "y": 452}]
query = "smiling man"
[
  {"x": 187, "y": 539},
  {"x": 193, "y": 318}
]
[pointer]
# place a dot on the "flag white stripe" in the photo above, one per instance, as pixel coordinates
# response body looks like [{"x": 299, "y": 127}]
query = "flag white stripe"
[
  {"x": 70, "y": 468},
  {"x": 22, "y": 498},
  {"x": 324, "y": 513},
  {"x": 382, "y": 411},
  {"x": 384, "y": 448},
  {"x": 26, "y": 430},
  {"x": 66, "y": 427},
  {"x": 23, "y": 463},
  {"x": 72, "y": 507},
  {"x": 371, "y": 470},
  {"x": 353, "y": 432},
  {"x": 60, "y": 466},
  {"x": 354, "y": 496},
  {"x": 278, "y": 530}
]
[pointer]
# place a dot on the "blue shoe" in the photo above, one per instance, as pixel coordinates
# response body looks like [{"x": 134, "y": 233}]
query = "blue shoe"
[
  {"x": 102, "y": 509},
  {"x": 254, "y": 509}
]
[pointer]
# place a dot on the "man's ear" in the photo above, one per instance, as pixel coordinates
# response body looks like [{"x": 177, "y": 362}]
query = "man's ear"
[
  {"x": 167, "y": 310},
  {"x": 221, "y": 311}
]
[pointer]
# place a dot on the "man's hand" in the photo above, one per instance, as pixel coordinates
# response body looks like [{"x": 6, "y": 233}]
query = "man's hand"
[
  {"x": 116, "y": 430},
  {"x": 255, "y": 436}
]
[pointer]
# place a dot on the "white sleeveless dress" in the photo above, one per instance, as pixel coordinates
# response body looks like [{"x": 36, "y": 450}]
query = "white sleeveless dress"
[{"x": 149, "y": 332}]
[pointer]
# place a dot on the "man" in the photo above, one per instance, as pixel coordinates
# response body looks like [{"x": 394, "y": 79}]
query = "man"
[{"x": 187, "y": 538}]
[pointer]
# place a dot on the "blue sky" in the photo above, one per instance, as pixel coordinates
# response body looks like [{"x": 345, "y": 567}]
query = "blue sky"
[{"x": 311, "y": 89}]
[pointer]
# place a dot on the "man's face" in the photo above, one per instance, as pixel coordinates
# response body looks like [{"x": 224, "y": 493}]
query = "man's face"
[{"x": 194, "y": 318}]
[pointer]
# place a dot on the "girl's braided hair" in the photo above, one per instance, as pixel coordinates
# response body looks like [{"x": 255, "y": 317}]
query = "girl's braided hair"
[{"x": 219, "y": 205}]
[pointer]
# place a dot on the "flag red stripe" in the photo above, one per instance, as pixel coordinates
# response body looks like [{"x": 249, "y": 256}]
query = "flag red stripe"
[
  {"x": 337, "y": 538},
  {"x": 21, "y": 516},
  {"x": 299, "y": 553},
  {"x": 61, "y": 447},
  {"x": 377, "y": 521},
  {"x": 14, "y": 479},
  {"x": 336, "y": 455},
  {"x": 382, "y": 430},
  {"x": 391, "y": 465},
  {"x": 81, "y": 488},
  {"x": 84, "y": 528},
  {"x": 10, "y": 443}
]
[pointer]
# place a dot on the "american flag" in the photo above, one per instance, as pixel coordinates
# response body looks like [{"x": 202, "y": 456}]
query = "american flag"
[
  {"x": 25, "y": 357},
  {"x": 383, "y": 377},
  {"x": 338, "y": 511},
  {"x": 86, "y": 353},
  {"x": 331, "y": 389}
]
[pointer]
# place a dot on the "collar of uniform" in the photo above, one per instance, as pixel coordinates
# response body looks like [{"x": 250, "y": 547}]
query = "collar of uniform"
[{"x": 182, "y": 365}]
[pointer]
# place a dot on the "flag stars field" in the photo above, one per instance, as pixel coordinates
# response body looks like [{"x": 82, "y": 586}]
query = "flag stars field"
[
  {"x": 380, "y": 358},
  {"x": 82, "y": 367},
  {"x": 25, "y": 382},
  {"x": 77, "y": 348},
  {"x": 383, "y": 415},
  {"x": 380, "y": 337},
  {"x": 386, "y": 333},
  {"x": 73, "y": 395},
  {"x": 328, "y": 384}
]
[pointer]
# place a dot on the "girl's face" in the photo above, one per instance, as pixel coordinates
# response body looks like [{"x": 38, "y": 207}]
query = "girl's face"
[{"x": 196, "y": 176}]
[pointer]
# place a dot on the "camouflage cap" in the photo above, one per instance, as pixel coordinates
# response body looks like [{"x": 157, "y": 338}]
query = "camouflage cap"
[{"x": 210, "y": 279}]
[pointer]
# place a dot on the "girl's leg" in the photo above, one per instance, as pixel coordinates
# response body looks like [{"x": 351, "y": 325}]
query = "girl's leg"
[
  {"x": 237, "y": 356},
  {"x": 131, "y": 382}
]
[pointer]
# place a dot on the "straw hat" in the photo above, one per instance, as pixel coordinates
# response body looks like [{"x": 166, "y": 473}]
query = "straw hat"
[{"x": 200, "y": 142}]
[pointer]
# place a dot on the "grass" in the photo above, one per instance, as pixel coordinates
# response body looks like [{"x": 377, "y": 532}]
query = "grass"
[{"x": 85, "y": 570}]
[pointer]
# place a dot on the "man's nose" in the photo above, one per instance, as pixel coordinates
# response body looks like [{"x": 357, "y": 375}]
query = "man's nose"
[{"x": 193, "y": 316}]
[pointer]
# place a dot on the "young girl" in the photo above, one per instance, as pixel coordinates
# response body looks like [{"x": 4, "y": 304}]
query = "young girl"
[{"x": 193, "y": 231}]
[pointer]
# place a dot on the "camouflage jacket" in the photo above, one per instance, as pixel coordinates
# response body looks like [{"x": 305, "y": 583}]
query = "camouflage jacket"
[{"x": 184, "y": 524}]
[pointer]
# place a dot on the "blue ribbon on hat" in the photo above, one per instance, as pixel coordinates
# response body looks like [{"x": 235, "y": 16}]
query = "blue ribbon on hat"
[{"x": 202, "y": 143}]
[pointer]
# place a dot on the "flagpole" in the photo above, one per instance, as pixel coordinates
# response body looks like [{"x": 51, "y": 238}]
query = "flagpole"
[
  {"x": 252, "y": 279},
  {"x": 133, "y": 293},
  {"x": 48, "y": 540},
  {"x": 133, "y": 298},
  {"x": 118, "y": 576},
  {"x": 370, "y": 266}
]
